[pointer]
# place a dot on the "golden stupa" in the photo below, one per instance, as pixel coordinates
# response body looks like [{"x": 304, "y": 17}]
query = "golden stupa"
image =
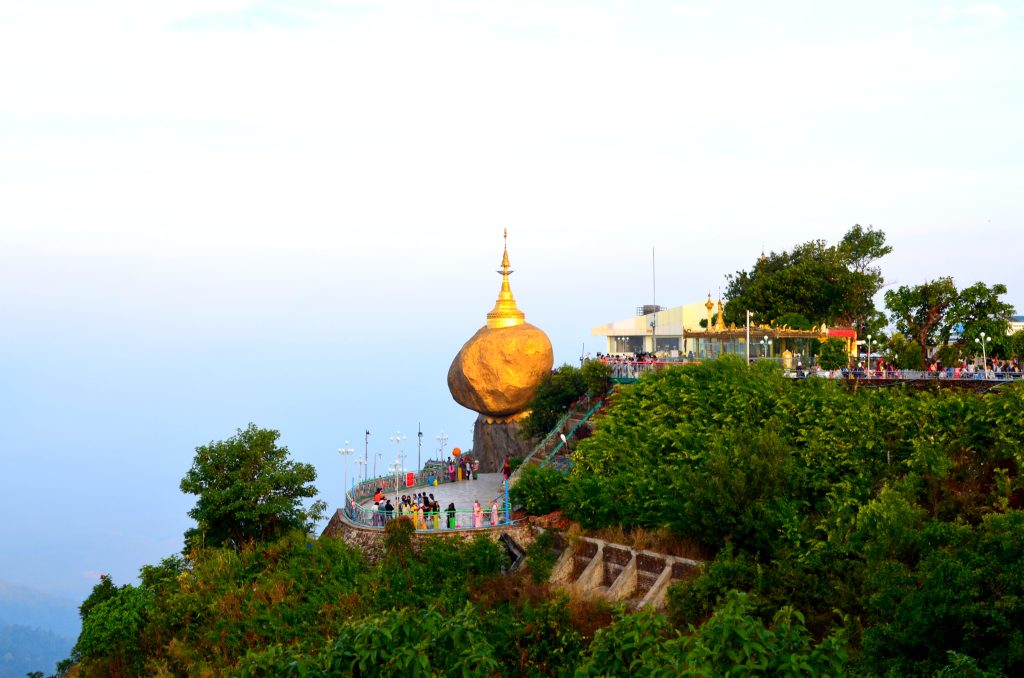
[{"x": 497, "y": 371}]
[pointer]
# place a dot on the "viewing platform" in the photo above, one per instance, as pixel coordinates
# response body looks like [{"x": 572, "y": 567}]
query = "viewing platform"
[{"x": 488, "y": 489}]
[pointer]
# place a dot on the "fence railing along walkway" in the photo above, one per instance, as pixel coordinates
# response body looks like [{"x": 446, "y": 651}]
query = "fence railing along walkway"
[
  {"x": 628, "y": 371},
  {"x": 495, "y": 514},
  {"x": 358, "y": 512}
]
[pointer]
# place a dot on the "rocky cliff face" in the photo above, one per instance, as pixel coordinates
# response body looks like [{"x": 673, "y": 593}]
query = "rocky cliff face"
[{"x": 493, "y": 441}]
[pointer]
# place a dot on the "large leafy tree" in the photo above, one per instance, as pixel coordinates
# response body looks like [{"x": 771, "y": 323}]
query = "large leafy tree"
[
  {"x": 833, "y": 354},
  {"x": 922, "y": 311},
  {"x": 821, "y": 283},
  {"x": 559, "y": 389},
  {"x": 978, "y": 309},
  {"x": 930, "y": 312},
  {"x": 248, "y": 490}
]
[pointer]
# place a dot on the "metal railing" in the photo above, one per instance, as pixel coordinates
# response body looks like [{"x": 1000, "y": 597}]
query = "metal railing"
[
  {"x": 429, "y": 521},
  {"x": 947, "y": 374},
  {"x": 569, "y": 434},
  {"x": 544, "y": 442},
  {"x": 371, "y": 516},
  {"x": 630, "y": 370}
]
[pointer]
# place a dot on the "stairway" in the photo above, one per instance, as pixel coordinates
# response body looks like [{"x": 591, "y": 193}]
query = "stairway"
[
  {"x": 551, "y": 451},
  {"x": 596, "y": 568}
]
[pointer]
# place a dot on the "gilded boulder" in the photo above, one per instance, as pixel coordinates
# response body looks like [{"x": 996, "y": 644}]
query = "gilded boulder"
[{"x": 497, "y": 371}]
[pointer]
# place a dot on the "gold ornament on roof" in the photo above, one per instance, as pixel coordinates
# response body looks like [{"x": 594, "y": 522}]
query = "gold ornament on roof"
[{"x": 505, "y": 312}]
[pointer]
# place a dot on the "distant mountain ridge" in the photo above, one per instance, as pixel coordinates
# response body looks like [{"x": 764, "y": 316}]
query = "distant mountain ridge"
[
  {"x": 24, "y": 649},
  {"x": 24, "y": 606}
]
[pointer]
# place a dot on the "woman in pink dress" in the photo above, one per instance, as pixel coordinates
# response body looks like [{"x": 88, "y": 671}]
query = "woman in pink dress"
[
  {"x": 494, "y": 512},
  {"x": 478, "y": 514}
]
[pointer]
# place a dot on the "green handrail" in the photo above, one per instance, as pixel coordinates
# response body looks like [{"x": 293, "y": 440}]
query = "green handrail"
[
  {"x": 557, "y": 427},
  {"x": 586, "y": 416}
]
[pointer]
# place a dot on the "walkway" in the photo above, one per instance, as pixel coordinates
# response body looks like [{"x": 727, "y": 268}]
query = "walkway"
[{"x": 485, "y": 489}]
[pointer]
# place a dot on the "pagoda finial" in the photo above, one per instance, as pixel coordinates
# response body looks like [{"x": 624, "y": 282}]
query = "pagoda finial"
[{"x": 505, "y": 312}]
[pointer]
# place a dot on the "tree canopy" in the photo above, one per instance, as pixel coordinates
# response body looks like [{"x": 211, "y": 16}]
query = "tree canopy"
[
  {"x": 559, "y": 389},
  {"x": 930, "y": 312},
  {"x": 248, "y": 490},
  {"x": 821, "y": 283}
]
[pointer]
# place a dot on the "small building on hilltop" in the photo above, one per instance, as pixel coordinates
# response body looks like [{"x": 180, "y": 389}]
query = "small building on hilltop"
[{"x": 697, "y": 331}]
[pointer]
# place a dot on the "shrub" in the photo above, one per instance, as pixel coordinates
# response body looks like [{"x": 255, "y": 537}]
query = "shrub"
[
  {"x": 538, "y": 490},
  {"x": 541, "y": 557},
  {"x": 109, "y": 644}
]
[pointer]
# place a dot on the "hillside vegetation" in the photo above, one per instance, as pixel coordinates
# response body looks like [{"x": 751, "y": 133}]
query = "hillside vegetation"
[
  {"x": 870, "y": 532},
  {"x": 890, "y": 514}
]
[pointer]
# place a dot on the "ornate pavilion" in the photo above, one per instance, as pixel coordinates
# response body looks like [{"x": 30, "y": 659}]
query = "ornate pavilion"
[{"x": 677, "y": 333}]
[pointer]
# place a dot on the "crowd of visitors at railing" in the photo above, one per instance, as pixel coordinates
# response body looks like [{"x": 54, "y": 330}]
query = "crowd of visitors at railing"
[
  {"x": 424, "y": 511},
  {"x": 631, "y": 366},
  {"x": 368, "y": 503},
  {"x": 995, "y": 369}
]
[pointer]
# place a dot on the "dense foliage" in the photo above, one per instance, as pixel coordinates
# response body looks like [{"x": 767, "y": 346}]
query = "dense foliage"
[
  {"x": 931, "y": 312},
  {"x": 538, "y": 489},
  {"x": 832, "y": 355},
  {"x": 813, "y": 283},
  {"x": 555, "y": 393},
  {"x": 896, "y": 510},
  {"x": 248, "y": 490},
  {"x": 864, "y": 532}
]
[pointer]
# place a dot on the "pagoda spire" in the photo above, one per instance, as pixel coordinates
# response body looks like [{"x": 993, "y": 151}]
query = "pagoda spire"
[{"x": 505, "y": 312}]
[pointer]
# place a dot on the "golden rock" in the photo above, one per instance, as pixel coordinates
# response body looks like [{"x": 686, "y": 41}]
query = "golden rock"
[{"x": 498, "y": 369}]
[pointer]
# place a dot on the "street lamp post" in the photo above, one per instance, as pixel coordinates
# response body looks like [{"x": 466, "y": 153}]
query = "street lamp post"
[
  {"x": 747, "y": 344},
  {"x": 765, "y": 343},
  {"x": 344, "y": 452},
  {"x": 366, "y": 454},
  {"x": 395, "y": 468},
  {"x": 442, "y": 438},
  {"x": 362, "y": 462},
  {"x": 983, "y": 339},
  {"x": 870, "y": 337},
  {"x": 397, "y": 440},
  {"x": 377, "y": 457},
  {"x": 419, "y": 448}
]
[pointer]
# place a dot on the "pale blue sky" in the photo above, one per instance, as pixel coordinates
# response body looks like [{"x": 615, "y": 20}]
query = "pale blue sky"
[{"x": 214, "y": 212}]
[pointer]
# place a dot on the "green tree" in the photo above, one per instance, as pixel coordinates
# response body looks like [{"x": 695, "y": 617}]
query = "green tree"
[
  {"x": 904, "y": 353},
  {"x": 832, "y": 355},
  {"x": 538, "y": 489},
  {"x": 1015, "y": 344},
  {"x": 110, "y": 643},
  {"x": 597, "y": 376},
  {"x": 930, "y": 312},
  {"x": 812, "y": 284},
  {"x": 248, "y": 490},
  {"x": 978, "y": 309},
  {"x": 922, "y": 312},
  {"x": 555, "y": 393}
]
